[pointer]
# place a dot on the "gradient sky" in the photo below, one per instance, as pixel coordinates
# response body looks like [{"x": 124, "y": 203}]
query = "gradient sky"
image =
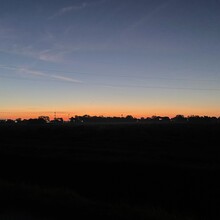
[{"x": 109, "y": 57}]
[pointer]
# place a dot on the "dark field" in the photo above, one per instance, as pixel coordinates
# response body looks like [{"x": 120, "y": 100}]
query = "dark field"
[{"x": 110, "y": 171}]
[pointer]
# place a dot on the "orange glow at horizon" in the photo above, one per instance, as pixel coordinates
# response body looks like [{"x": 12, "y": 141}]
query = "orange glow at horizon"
[{"x": 65, "y": 114}]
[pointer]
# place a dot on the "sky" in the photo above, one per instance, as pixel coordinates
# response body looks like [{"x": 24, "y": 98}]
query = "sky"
[{"x": 109, "y": 57}]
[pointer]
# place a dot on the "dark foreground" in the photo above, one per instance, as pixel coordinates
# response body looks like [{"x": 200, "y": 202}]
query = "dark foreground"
[{"x": 110, "y": 172}]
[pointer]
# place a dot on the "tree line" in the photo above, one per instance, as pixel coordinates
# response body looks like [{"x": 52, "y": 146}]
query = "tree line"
[{"x": 87, "y": 119}]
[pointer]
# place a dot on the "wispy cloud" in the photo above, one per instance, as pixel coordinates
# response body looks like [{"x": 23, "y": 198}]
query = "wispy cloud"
[
  {"x": 7, "y": 67},
  {"x": 30, "y": 72},
  {"x": 67, "y": 79},
  {"x": 61, "y": 78},
  {"x": 55, "y": 55},
  {"x": 68, "y": 9},
  {"x": 73, "y": 8},
  {"x": 51, "y": 56},
  {"x": 150, "y": 15},
  {"x": 25, "y": 72}
]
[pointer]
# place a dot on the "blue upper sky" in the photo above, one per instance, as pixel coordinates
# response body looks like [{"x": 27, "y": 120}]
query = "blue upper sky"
[{"x": 110, "y": 56}]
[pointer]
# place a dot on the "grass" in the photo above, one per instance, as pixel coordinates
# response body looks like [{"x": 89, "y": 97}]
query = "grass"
[
  {"x": 110, "y": 172},
  {"x": 38, "y": 202}
]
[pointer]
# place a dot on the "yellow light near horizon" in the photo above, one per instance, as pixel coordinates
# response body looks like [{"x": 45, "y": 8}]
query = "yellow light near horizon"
[{"x": 138, "y": 113}]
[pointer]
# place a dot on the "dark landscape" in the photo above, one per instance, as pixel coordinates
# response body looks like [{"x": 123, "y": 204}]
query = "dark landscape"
[{"x": 110, "y": 171}]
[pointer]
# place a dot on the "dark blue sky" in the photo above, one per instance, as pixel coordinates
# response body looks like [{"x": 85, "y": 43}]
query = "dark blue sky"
[{"x": 137, "y": 57}]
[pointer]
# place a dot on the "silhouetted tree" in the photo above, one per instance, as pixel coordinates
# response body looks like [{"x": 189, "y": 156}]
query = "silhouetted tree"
[
  {"x": 179, "y": 119},
  {"x": 155, "y": 118},
  {"x": 2, "y": 121},
  {"x": 57, "y": 121},
  {"x": 18, "y": 120},
  {"x": 164, "y": 119},
  {"x": 129, "y": 118},
  {"x": 35, "y": 121},
  {"x": 45, "y": 118},
  {"x": 10, "y": 121},
  {"x": 194, "y": 119}
]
